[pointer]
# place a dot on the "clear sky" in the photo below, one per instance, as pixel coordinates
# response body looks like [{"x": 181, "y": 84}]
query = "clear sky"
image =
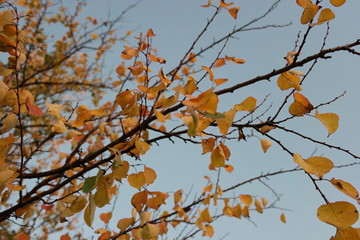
[{"x": 176, "y": 25}]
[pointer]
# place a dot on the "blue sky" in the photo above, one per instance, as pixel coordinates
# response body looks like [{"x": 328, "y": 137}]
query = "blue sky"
[{"x": 176, "y": 25}]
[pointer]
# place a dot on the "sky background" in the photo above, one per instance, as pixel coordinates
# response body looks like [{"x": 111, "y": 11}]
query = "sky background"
[{"x": 176, "y": 25}]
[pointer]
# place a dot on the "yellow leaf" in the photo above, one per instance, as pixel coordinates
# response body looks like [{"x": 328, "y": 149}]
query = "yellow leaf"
[
  {"x": 59, "y": 127},
  {"x": 347, "y": 234},
  {"x": 9, "y": 122},
  {"x": 314, "y": 165},
  {"x": 235, "y": 60},
  {"x": 101, "y": 196},
  {"x": 246, "y": 199},
  {"x": 258, "y": 206},
  {"x": 264, "y": 201},
  {"x": 163, "y": 77},
  {"x": 330, "y": 121},
  {"x": 11, "y": 99},
  {"x": 345, "y": 187},
  {"x": 265, "y": 144},
  {"x": 54, "y": 109},
  {"x": 78, "y": 204},
  {"x": 137, "y": 180},
  {"x": 178, "y": 196},
  {"x": 208, "y": 145},
  {"x": 225, "y": 123},
  {"x": 121, "y": 171},
  {"x": 124, "y": 223},
  {"x": 205, "y": 215},
  {"x": 309, "y": 12},
  {"x": 325, "y": 15},
  {"x": 89, "y": 212},
  {"x": 337, "y": 3},
  {"x": 150, "y": 175},
  {"x": 287, "y": 80},
  {"x": 142, "y": 146},
  {"x": 339, "y": 214},
  {"x": 234, "y": 11},
  {"x": 150, "y": 231},
  {"x": 218, "y": 157},
  {"x": 249, "y": 104},
  {"x": 283, "y": 218}
]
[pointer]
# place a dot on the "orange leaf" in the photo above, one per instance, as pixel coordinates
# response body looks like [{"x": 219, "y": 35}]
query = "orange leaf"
[
  {"x": 345, "y": 187},
  {"x": 208, "y": 145},
  {"x": 234, "y": 11},
  {"x": 220, "y": 81},
  {"x": 150, "y": 175},
  {"x": 283, "y": 218},
  {"x": 225, "y": 5},
  {"x": 300, "y": 106},
  {"x": 105, "y": 217},
  {"x": 150, "y": 33},
  {"x": 211, "y": 74},
  {"x": 139, "y": 200},
  {"x": 225, "y": 123},
  {"x": 337, "y": 3},
  {"x": 246, "y": 199}
]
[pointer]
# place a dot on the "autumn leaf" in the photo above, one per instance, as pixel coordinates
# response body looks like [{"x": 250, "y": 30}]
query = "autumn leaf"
[
  {"x": 150, "y": 175},
  {"x": 314, "y": 165},
  {"x": 337, "y": 3},
  {"x": 325, "y": 15},
  {"x": 211, "y": 74},
  {"x": 101, "y": 197},
  {"x": 345, "y": 187},
  {"x": 265, "y": 144},
  {"x": 283, "y": 218},
  {"x": 329, "y": 120},
  {"x": 124, "y": 223},
  {"x": 9, "y": 122},
  {"x": 137, "y": 180},
  {"x": 339, "y": 214},
  {"x": 246, "y": 199},
  {"x": 233, "y": 12},
  {"x": 89, "y": 212},
  {"x": 225, "y": 123},
  {"x": 300, "y": 106},
  {"x": 249, "y": 104},
  {"x": 309, "y": 12},
  {"x": 287, "y": 80},
  {"x": 105, "y": 217},
  {"x": 142, "y": 146},
  {"x": 59, "y": 127},
  {"x": 207, "y": 145},
  {"x": 207, "y": 5}
]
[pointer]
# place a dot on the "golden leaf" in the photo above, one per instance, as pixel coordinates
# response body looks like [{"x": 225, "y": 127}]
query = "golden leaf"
[
  {"x": 325, "y": 15},
  {"x": 142, "y": 146},
  {"x": 225, "y": 123},
  {"x": 59, "y": 127},
  {"x": 249, "y": 104},
  {"x": 9, "y": 122},
  {"x": 314, "y": 165},
  {"x": 89, "y": 212},
  {"x": 105, "y": 217},
  {"x": 300, "y": 106},
  {"x": 287, "y": 80},
  {"x": 208, "y": 145},
  {"x": 150, "y": 175},
  {"x": 211, "y": 74},
  {"x": 283, "y": 218},
  {"x": 329, "y": 120},
  {"x": 339, "y": 214},
  {"x": 265, "y": 144},
  {"x": 137, "y": 180},
  {"x": 345, "y": 187},
  {"x": 246, "y": 199},
  {"x": 101, "y": 196},
  {"x": 337, "y": 3},
  {"x": 124, "y": 223}
]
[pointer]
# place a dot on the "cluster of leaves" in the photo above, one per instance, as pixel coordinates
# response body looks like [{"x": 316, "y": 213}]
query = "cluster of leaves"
[{"x": 58, "y": 158}]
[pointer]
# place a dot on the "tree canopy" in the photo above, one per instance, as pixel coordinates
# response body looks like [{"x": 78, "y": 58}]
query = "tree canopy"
[{"x": 76, "y": 128}]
